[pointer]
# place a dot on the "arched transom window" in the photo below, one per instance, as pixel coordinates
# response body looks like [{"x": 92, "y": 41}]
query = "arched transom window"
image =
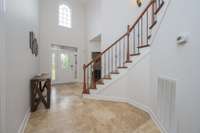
[{"x": 65, "y": 19}]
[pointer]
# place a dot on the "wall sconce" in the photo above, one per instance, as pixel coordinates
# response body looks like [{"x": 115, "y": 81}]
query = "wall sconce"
[{"x": 139, "y": 3}]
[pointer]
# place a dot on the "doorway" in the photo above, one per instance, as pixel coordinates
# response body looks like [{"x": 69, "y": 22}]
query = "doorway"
[
  {"x": 97, "y": 66},
  {"x": 94, "y": 52},
  {"x": 63, "y": 64}
]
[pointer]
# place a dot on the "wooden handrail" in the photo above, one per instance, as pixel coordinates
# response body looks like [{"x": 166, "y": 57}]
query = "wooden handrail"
[
  {"x": 141, "y": 15},
  {"x": 118, "y": 53},
  {"x": 99, "y": 56},
  {"x": 130, "y": 29}
]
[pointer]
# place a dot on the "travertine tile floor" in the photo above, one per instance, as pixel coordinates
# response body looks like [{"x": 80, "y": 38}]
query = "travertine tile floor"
[{"x": 70, "y": 113}]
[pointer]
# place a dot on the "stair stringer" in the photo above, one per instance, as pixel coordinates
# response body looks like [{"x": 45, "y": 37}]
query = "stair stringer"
[{"x": 101, "y": 89}]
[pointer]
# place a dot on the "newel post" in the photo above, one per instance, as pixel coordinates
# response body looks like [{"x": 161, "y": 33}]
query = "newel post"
[
  {"x": 128, "y": 44},
  {"x": 85, "y": 90}
]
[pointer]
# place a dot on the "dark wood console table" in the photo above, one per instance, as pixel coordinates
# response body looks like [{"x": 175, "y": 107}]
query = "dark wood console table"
[{"x": 40, "y": 91}]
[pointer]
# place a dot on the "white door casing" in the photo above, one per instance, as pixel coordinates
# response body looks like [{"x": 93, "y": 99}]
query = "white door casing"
[{"x": 65, "y": 65}]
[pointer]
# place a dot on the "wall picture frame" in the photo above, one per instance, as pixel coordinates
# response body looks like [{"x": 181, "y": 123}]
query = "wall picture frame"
[{"x": 33, "y": 43}]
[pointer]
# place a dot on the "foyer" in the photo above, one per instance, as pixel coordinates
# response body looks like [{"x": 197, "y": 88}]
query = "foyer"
[
  {"x": 71, "y": 113},
  {"x": 99, "y": 66}
]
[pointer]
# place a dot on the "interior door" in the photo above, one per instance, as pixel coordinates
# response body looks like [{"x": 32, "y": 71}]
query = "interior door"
[{"x": 64, "y": 64}]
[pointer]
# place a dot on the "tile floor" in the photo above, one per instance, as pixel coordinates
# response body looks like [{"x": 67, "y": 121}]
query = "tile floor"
[{"x": 70, "y": 113}]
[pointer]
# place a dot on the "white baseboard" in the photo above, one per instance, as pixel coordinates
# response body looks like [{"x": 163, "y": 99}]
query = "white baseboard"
[
  {"x": 150, "y": 112},
  {"x": 24, "y": 122},
  {"x": 138, "y": 105},
  {"x": 157, "y": 122},
  {"x": 131, "y": 102}
]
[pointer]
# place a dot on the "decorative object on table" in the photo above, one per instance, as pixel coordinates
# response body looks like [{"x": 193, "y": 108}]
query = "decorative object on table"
[
  {"x": 33, "y": 44},
  {"x": 139, "y": 3},
  {"x": 40, "y": 91}
]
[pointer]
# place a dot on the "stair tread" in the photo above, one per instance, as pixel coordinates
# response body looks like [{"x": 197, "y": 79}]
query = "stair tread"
[
  {"x": 92, "y": 88},
  {"x": 122, "y": 67},
  {"x": 114, "y": 72},
  {"x": 149, "y": 37},
  {"x": 144, "y": 46},
  {"x": 107, "y": 77},
  {"x": 154, "y": 23},
  {"x": 158, "y": 9},
  {"x": 129, "y": 61},
  {"x": 100, "y": 83},
  {"x": 134, "y": 54}
]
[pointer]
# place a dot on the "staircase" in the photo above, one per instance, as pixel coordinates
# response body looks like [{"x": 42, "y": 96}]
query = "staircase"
[{"x": 118, "y": 55}]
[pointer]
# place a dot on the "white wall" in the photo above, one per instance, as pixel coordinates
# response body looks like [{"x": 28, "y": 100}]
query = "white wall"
[
  {"x": 110, "y": 18},
  {"x": 179, "y": 62},
  {"x": 168, "y": 60},
  {"x": 116, "y": 15},
  {"x": 2, "y": 70},
  {"x": 138, "y": 82},
  {"x": 93, "y": 18},
  {"x": 51, "y": 33},
  {"x": 20, "y": 18},
  {"x": 93, "y": 26},
  {"x": 133, "y": 84},
  {"x": 114, "y": 19},
  {"x": 93, "y": 46}
]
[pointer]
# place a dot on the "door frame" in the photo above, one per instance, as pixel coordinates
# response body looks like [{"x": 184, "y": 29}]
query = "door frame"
[{"x": 65, "y": 47}]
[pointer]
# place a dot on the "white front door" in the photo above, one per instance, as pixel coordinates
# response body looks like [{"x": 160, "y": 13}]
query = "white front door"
[{"x": 64, "y": 65}]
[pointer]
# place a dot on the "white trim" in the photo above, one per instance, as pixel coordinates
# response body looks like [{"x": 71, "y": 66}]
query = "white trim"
[
  {"x": 132, "y": 103},
  {"x": 24, "y": 122},
  {"x": 150, "y": 112},
  {"x": 156, "y": 121},
  {"x": 138, "y": 105}
]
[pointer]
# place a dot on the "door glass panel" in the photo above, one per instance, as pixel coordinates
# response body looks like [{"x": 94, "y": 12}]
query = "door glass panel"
[
  {"x": 65, "y": 61},
  {"x": 53, "y": 71}
]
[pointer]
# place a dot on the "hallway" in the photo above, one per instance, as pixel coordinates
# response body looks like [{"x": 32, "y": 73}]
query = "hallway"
[{"x": 70, "y": 113}]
